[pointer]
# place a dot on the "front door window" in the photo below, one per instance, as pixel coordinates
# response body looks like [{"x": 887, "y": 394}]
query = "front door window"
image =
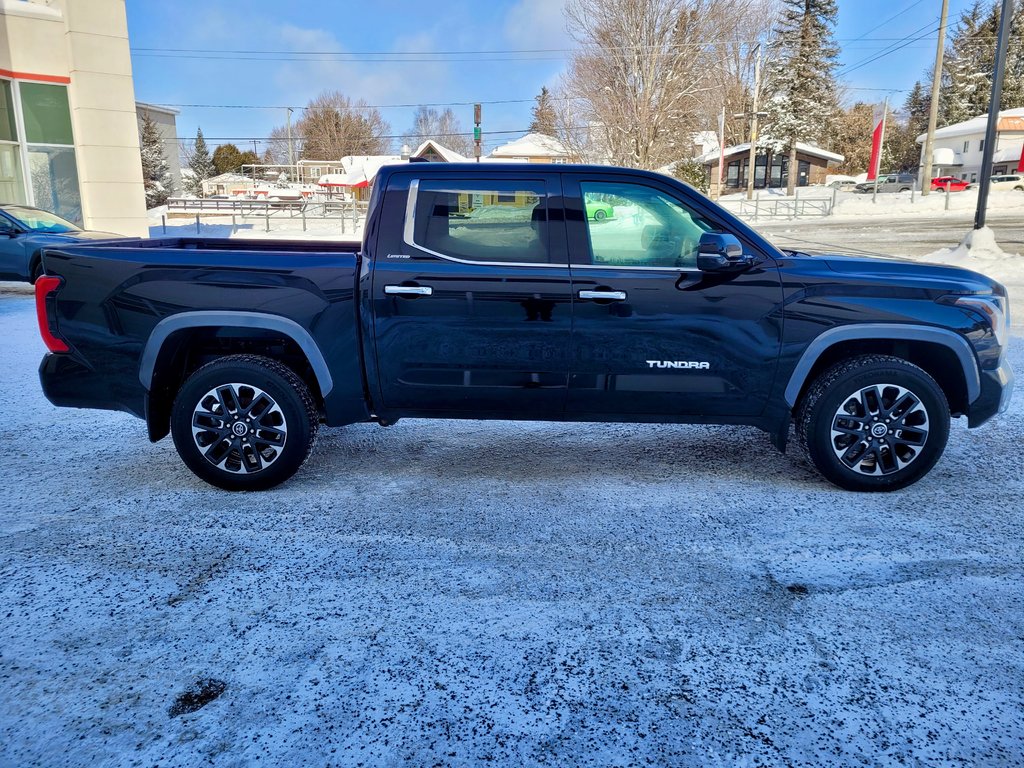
[{"x": 630, "y": 225}]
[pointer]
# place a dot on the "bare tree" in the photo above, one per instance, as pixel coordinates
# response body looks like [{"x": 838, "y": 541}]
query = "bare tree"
[
  {"x": 332, "y": 126},
  {"x": 443, "y": 127},
  {"x": 638, "y": 78}
]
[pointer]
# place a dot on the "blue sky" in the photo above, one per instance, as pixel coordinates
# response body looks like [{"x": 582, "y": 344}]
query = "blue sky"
[{"x": 396, "y": 28}]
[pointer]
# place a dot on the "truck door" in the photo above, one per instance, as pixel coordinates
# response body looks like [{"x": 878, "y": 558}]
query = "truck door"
[
  {"x": 652, "y": 334},
  {"x": 471, "y": 294}
]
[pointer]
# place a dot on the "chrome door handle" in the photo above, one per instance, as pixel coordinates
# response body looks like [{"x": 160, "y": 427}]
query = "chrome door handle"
[
  {"x": 408, "y": 290},
  {"x": 607, "y": 295}
]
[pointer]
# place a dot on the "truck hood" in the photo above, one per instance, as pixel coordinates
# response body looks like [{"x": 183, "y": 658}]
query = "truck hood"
[{"x": 924, "y": 274}]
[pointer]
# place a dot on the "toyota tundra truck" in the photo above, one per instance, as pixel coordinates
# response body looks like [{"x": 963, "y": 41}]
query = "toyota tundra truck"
[{"x": 489, "y": 291}]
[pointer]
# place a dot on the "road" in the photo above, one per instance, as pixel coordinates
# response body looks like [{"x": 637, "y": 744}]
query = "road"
[
  {"x": 469, "y": 593},
  {"x": 910, "y": 236}
]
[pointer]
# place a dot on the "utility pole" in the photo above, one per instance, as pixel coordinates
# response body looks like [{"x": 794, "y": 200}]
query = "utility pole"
[
  {"x": 752, "y": 161},
  {"x": 291, "y": 149},
  {"x": 991, "y": 132},
  {"x": 721, "y": 151},
  {"x": 933, "y": 112},
  {"x": 477, "y": 134}
]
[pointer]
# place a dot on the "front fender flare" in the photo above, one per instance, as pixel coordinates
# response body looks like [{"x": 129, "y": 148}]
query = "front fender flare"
[{"x": 895, "y": 331}]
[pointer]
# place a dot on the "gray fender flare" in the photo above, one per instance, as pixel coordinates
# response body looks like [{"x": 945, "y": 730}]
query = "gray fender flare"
[
  {"x": 896, "y": 331},
  {"x": 234, "y": 319}
]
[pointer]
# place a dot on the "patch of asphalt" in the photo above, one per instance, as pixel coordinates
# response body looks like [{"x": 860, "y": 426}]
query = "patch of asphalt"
[{"x": 465, "y": 593}]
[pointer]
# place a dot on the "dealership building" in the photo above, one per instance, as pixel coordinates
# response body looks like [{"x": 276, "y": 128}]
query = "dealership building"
[{"x": 69, "y": 137}]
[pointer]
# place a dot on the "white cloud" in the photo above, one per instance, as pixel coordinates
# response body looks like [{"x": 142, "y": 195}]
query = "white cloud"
[{"x": 537, "y": 24}]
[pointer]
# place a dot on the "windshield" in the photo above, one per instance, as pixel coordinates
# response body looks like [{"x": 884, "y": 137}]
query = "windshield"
[{"x": 39, "y": 221}]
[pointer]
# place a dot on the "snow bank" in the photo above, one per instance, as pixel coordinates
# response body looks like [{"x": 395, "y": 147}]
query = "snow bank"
[
  {"x": 854, "y": 205},
  {"x": 980, "y": 252}
]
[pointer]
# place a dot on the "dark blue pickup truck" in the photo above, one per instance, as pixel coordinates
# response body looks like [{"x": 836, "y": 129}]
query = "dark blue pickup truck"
[{"x": 569, "y": 293}]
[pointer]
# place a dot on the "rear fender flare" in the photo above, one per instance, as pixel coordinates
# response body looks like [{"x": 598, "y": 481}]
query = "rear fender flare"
[
  {"x": 234, "y": 319},
  {"x": 896, "y": 331}
]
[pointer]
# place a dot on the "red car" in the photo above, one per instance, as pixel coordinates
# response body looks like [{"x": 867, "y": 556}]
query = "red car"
[{"x": 955, "y": 184}]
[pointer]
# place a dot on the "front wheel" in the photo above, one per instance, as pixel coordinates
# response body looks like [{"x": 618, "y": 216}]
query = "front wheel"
[
  {"x": 244, "y": 423},
  {"x": 874, "y": 423}
]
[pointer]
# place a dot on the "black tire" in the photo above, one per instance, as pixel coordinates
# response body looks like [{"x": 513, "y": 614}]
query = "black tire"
[
  {"x": 269, "y": 430},
  {"x": 840, "y": 419},
  {"x": 600, "y": 215}
]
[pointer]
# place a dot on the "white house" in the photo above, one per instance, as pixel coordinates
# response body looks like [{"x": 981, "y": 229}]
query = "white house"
[
  {"x": 958, "y": 148},
  {"x": 532, "y": 148}
]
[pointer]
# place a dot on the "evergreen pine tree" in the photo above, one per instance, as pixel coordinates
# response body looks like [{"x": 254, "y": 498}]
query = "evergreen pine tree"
[
  {"x": 969, "y": 64},
  {"x": 544, "y": 116},
  {"x": 201, "y": 165},
  {"x": 801, "y": 79},
  {"x": 156, "y": 172}
]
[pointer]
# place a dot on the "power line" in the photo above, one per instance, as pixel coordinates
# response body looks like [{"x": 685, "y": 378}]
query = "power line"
[
  {"x": 892, "y": 49},
  {"x": 357, "y": 107}
]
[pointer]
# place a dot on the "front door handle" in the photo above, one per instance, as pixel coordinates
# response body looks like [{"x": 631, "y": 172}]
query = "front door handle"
[
  {"x": 605, "y": 295},
  {"x": 408, "y": 290}
]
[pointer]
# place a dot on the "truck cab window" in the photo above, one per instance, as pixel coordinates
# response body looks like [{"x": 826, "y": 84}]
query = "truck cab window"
[
  {"x": 630, "y": 225},
  {"x": 501, "y": 222}
]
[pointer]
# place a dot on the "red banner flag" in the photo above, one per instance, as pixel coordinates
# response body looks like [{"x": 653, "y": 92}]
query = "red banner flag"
[
  {"x": 1020, "y": 165},
  {"x": 874, "y": 166}
]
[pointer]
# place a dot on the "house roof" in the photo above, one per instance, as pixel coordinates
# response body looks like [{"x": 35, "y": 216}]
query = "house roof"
[
  {"x": 359, "y": 170},
  {"x": 1010, "y": 119},
  {"x": 532, "y": 145},
  {"x": 449, "y": 155},
  {"x": 806, "y": 149},
  {"x": 228, "y": 178}
]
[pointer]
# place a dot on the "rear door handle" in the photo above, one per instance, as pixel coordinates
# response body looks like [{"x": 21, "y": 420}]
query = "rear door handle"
[
  {"x": 408, "y": 290},
  {"x": 606, "y": 295}
]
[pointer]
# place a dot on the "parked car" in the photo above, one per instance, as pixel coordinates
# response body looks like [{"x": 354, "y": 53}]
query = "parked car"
[
  {"x": 23, "y": 233},
  {"x": 843, "y": 185},
  {"x": 1013, "y": 181},
  {"x": 598, "y": 210},
  {"x": 893, "y": 182},
  {"x": 940, "y": 183},
  {"x": 484, "y": 291}
]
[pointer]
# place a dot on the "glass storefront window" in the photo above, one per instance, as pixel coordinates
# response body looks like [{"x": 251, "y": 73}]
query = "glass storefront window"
[
  {"x": 12, "y": 184},
  {"x": 54, "y": 176},
  {"x": 8, "y": 126},
  {"x": 46, "y": 113}
]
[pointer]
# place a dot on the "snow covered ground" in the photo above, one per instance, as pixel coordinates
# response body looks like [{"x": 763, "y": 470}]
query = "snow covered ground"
[{"x": 465, "y": 593}]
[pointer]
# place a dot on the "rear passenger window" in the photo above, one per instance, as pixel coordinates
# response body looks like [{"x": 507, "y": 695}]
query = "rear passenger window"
[{"x": 492, "y": 221}]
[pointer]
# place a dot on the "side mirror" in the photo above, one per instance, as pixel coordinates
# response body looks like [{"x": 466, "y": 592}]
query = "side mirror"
[
  {"x": 6, "y": 231},
  {"x": 720, "y": 252}
]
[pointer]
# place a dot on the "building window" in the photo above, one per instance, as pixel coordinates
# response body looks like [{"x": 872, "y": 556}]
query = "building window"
[
  {"x": 37, "y": 153},
  {"x": 974, "y": 178},
  {"x": 967, "y": 145},
  {"x": 981, "y": 145}
]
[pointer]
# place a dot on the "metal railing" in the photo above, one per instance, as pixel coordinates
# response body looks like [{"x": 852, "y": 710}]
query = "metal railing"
[
  {"x": 269, "y": 215},
  {"x": 773, "y": 206}
]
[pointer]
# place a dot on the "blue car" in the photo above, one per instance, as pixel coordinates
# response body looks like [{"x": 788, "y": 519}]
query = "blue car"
[{"x": 25, "y": 231}]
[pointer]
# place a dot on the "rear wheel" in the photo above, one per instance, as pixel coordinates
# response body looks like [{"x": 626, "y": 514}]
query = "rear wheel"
[
  {"x": 244, "y": 423},
  {"x": 874, "y": 423}
]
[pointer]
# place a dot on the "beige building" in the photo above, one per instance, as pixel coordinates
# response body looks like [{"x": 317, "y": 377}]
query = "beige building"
[{"x": 69, "y": 139}]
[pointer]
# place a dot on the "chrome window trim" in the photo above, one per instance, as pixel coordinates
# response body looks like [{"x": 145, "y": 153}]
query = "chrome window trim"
[{"x": 410, "y": 228}]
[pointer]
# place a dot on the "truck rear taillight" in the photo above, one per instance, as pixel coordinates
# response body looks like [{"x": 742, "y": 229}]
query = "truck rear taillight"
[{"x": 46, "y": 292}]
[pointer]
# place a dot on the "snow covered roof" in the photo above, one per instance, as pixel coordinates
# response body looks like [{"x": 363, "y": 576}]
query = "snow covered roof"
[
  {"x": 532, "y": 145},
  {"x": 359, "y": 170},
  {"x": 806, "y": 149},
  {"x": 977, "y": 125},
  {"x": 228, "y": 178},
  {"x": 449, "y": 155}
]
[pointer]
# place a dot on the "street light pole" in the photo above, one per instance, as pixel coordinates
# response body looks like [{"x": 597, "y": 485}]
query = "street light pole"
[
  {"x": 933, "y": 111},
  {"x": 752, "y": 157},
  {"x": 1005, "y": 20}
]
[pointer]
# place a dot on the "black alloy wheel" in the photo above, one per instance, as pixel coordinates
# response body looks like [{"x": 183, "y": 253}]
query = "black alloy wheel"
[
  {"x": 874, "y": 423},
  {"x": 244, "y": 422}
]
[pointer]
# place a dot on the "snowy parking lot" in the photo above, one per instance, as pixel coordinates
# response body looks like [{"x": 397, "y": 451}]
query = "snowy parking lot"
[{"x": 468, "y": 593}]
